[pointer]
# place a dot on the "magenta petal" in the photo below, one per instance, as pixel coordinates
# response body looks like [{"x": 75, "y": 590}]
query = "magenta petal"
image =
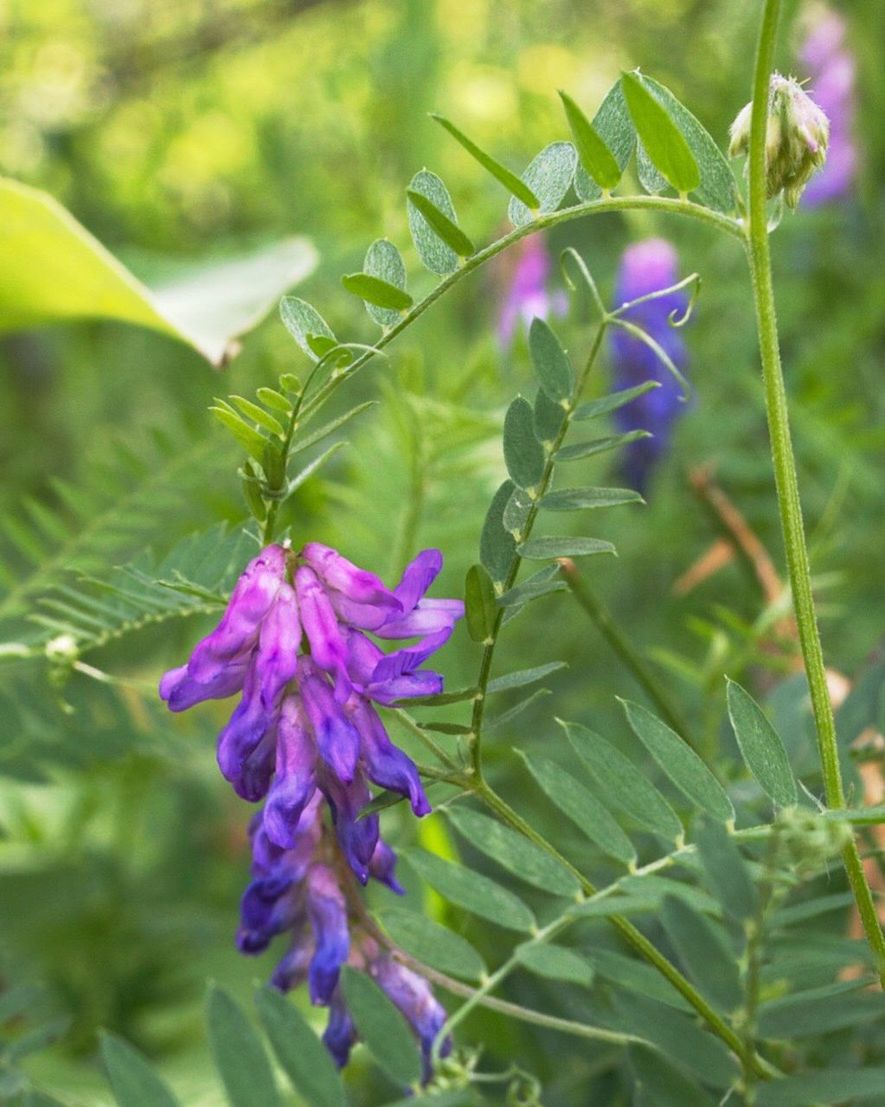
[
  {"x": 327, "y": 646},
  {"x": 336, "y": 737},
  {"x": 358, "y": 585},
  {"x": 385, "y": 764},
  {"x": 428, "y": 617},
  {"x": 294, "y": 780},
  {"x": 277, "y": 658},
  {"x": 405, "y": 687},
  {"x": 418, "y": 577}
]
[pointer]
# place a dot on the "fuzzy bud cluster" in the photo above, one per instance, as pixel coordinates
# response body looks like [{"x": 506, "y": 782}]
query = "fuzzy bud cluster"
[{"x": 796, "y": 138}]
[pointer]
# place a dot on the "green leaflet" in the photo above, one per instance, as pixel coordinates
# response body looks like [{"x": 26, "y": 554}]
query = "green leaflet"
[
  {"x": 304, "y": 322},
  {"x": 374, "y": 290},
  {"x": 580, "y": 499},
  {"x": 825, "y": 1086},
  {"x": 679, "y": 761},
  {"x": 820, "y": 1011},
  {"x": 300, "y": 1053},
  {"x": 726, "y": 871},
  {"x": 549, "y": 176},
  {"x": 385, "y": 262},
  {"x": 660, "y": 1084},
  {"x": 717, "y": 188},
  {"x": 441, "y": 225},
  {"x": 472, "y": 891},
  {"x": 133, "y": 1081},
  {"x": 381, "y": 1026},
  {"x": 599, "y": 445},
  {"x": 436, "y": 254},
  {"x": 704, "y": 952},
  {"x": 239, "y": 1054},
  {"x": 605, "y": 404},
  {"x": 555, "y": 963},
  {"x": 594, "y": 154},
  {"x": 540, "y": 549},
  {"x": 549, "y": 417},
  {"x": 497, "y": 546},
  {"x": 432, "y": 943},
  {"x": 761, "y": 746},
  {"x": 541, "y": 583},
  {"x": 516, "y": 513},
  {"x": 512, "y": 851},
  {"x": 679, "y": 1039},
  {"x": 479, "y": 602},
  {"x": 662, "y": 139},
  {"x": 523, "y": 676},
  {"x": 523, "y": 453},
  {"x": 551, "y": 362},
  {"x": 583, "y": 808},
  {"x": 613, "y": 125},
  {"x": 509, "y": 180},
  {"x": 623, "y": 782}
]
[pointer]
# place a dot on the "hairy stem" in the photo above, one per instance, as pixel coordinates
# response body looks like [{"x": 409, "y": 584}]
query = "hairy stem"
[{"x": 786, "y": 481}]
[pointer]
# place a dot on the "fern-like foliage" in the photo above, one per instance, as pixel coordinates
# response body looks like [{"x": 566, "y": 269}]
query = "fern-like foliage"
[{"x": 122, "y": 500}]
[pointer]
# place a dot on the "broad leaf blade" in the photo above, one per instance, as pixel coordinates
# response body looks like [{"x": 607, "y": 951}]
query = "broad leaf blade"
[
  {"x": 439, "y": 257},
  {"x": 679, "y": 761},
  {"x": 556, "y": 963},
  {"x": 239, "y": 1054},
  {"x": 661, "y": 137},
  {"x": 541, "y": 549},
  {"x": 825, "y": 1086},
  {"x": 761, "y": 746},
  {"x": 302, "y": 1056},
  {"x": 432, "y": 943},
  {"x": 133, "y": 1081},
  {"x": 725, "y": 869},
  {"x": 623, "y": 782},
  {"x": 472, "y": 891},
  {"x": 304, "y": 322},
  {"x": 614, "y": 126},
  {"x": 442, "y": 226},
  {"x": 374, "y": 290},
  {"x": 509, "y": 180},
  {"x": 53, "y": 269},
  {"x": 583, "y": 808},
  {"x": 523, "y": 453},
  {"x": 497, "y": 546},
  {"x": 551, "y": 362},
  {"x": 385, "y": 262},
  {"x": 582, "y": 499},
  {"x": 513, "y": 852},
  {"x": 479, "y": 603},
  {"x": 594, "y": 154},
  {"x": 704, "y": 952},
  {"x": 381, "y": 1026},
  {"x": 549, "y": 176},
  {"x": 717, "y": 188}
]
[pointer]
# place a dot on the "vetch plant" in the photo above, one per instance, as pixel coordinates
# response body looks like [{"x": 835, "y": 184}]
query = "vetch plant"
[{"x": 655, "y": 897}]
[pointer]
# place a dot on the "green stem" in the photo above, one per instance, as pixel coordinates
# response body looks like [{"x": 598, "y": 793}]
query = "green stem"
[
  {"x": 621, "y": 646},
  {"x": 786, "y": 480},
  {"x": 664, "y": 204},
  {"x": 631, "y": 934}
]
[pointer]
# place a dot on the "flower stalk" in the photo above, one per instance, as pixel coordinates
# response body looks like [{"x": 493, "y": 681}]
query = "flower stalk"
[{"x": 786, "y": 481}]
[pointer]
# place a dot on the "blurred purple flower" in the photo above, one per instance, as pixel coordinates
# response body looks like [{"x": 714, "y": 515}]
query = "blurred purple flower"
[
  {"x": 830, "y": 66},
  {"x": 647, "y": 266},
  {"x": 526, "y": 294}
]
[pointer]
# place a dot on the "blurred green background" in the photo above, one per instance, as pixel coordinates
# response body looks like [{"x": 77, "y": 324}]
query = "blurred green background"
[{"x": 189, "y": 131}]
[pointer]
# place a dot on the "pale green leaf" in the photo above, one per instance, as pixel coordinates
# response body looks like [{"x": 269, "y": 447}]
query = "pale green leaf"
[
  {"x": 555, "y": 963},
  {"x": 471, "y": 890},
  {"x": 239, "y": 1054},
  {"x": 300, "y": 1053},
  {"x": 661, "y": 138},
  {"x": 523, "y": 453},
  {"x": 433, "y": 944},
  {"x": 551, "y": 362},
  {"x": 761, "y": 746},
  {"x": 385, "y": 262},
  {"x": 549, "y": 176},
  {"x": 381, "y": 1026}
]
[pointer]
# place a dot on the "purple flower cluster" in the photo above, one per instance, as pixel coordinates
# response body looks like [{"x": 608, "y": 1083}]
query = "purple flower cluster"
[
  {"x": 307, "y": 891},
  {"x": 527, "y": 294},
  {"x": 831, "y": 68},
  {"x": 295, "y": 642},
  {"x": 647, "y": 266}
]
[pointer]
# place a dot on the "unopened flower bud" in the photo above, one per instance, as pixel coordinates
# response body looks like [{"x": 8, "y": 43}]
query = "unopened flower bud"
[
  {"x": 807, "y": 840},
  {"x": 796, "y": 138}
]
